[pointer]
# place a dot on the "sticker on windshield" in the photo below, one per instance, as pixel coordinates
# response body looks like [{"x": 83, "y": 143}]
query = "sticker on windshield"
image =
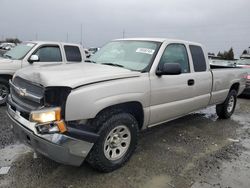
[
  {"x": 145, "y": 51},
  {"x": 30, "y": 44}
]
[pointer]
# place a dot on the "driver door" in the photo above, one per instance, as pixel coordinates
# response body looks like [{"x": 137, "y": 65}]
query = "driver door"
[
  {"x": 171, "y": 94},
  {"x": 48, "y": 54}
]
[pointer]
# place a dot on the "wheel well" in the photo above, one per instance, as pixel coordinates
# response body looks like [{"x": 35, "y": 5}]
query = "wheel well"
[
  {"x": 235, "y": 87},
  {"x": 134, "y": 108}
]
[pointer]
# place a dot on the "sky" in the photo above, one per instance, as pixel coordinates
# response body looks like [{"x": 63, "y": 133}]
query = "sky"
[{"x": 217, "y": 24}]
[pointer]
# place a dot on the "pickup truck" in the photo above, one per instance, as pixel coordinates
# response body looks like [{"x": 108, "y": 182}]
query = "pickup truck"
[
  {"x": 95, "y": 110},
  {"x": 245, "y": 63},
  {"x": 35, "y": 53}
]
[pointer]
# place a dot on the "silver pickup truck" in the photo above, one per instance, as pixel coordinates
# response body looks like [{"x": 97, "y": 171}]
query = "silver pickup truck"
[
  {"x": 35, "y": 53},
  {"x": 95, "y": 110}
]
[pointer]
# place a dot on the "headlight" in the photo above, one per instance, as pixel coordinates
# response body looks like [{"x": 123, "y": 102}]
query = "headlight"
[
  {"x": 46, "y": 115},
  {"x": 55, "y": 127}
]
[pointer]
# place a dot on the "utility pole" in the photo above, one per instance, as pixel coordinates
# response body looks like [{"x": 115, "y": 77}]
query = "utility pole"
[
  {"x": 67, "y": 38},
  {"x": 36, "y": 36},
  {"x": 123, "y": 33},
  {"x": 81, "y": 35}
]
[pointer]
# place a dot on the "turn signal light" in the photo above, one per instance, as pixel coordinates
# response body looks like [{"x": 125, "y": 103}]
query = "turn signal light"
[{"x": 61, "y": 126}]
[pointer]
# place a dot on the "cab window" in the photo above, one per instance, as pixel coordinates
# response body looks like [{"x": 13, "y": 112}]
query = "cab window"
[
  {"x": 73, "y": 53},
  {"x": 176, "y": 53},
  {"x": 49, "y": 54},
  {"x": 198, "y": 57}
]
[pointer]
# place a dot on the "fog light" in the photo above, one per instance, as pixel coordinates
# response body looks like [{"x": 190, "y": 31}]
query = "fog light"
[
  {"x": 46, "y": 115},
  {"x": 55, "y": 127},
  {"x": 47, "y": 128}
]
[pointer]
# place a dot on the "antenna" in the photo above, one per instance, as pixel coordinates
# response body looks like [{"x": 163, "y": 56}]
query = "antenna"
[{"x": 81, "y": 35}]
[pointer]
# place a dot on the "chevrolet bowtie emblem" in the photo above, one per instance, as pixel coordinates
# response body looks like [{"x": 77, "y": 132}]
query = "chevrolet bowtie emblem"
[{"x": 22, "y": 92}]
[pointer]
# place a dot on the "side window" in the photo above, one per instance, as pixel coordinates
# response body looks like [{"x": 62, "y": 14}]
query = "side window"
[
  {"x": 176, "y": 53},
  {"x": 198, "y": 58},
  {"x": 49, "y": 54},
  {"x": 73, "y": 53}
]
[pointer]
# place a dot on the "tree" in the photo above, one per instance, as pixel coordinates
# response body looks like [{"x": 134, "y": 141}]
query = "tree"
[
  {"x": 227, "y": 55},
  {"x": 13, "y": 40},
  {"x": 230, "y": 54},
  {"x": 220, "y": 54},
  {"x": 244, "y": 52}
]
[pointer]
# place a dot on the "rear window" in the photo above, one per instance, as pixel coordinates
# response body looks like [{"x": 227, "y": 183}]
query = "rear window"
[
  {"x": 73, "y": 53},
  {"x": 198, "y": 58}
]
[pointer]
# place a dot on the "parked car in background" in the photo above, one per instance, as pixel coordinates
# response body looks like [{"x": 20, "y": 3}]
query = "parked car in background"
[
  {"x": 94, "y": 111},
  {"x": 87, "y": 53},
  {"x": 223, "y": 63},
  {"x": 7, "y": 46},
  {"x": 245, "y": 63},
  {"x": 35, "y": 53},
  {"x": 93, "y": 50}
]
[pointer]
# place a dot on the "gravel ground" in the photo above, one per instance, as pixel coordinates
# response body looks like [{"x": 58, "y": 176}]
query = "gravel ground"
[{"x": 197, "y": 150}]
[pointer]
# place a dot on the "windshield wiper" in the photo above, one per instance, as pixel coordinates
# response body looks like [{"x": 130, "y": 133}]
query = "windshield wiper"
[
  {"x": 89, "y": 61},
  {"x": 113, "y": 64},
  {"x": 8, "y": 56}
]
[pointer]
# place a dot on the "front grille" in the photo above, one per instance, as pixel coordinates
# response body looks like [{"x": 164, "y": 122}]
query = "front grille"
[
  {"x": 248, "y": 83},
  {"x": 26, "y": 93}
]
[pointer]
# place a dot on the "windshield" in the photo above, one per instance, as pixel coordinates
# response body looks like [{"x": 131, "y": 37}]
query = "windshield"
[
  {"x": 132, "y": 55},
  {"x": 243, "y": 62},
  {"x": 19, "y": 51}
]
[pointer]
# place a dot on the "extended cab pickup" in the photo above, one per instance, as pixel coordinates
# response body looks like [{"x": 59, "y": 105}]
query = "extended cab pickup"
[
  {"x": 35, "y": 53},
  {"x": 94, "y": 110}
]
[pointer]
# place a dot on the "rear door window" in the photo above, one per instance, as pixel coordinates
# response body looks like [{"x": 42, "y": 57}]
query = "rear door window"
[
  {"x": 49, "y": 54},
  {"x": 198, "y": 57},
  {"x": 73, "y": 53}
]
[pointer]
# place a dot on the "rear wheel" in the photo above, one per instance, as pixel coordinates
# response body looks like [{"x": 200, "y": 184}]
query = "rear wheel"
[
  {"x": 116, "y": 144},
  {"x": 4, "y": 91},
  {"x": 226, "y": 109}
]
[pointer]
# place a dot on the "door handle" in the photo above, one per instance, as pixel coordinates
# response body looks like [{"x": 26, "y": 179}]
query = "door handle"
[{"x": 190, "y": 82}]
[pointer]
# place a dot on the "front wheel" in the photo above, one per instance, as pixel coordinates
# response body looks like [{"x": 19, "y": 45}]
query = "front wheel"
[
  {"x": 226, "y": 109},
  {"x": 4, "y": 91},
  {"x": 116, "y": 144}
]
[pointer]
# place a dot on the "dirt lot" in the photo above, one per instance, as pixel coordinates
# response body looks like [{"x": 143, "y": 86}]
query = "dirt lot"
[{"x": 198, "y": 150}]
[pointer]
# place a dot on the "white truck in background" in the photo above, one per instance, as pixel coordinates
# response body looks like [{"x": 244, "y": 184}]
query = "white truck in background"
[{"x": 36, "y": 53}]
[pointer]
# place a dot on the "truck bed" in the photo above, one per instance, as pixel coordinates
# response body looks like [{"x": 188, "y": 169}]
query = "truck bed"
[{"x": 223, "y": 79}]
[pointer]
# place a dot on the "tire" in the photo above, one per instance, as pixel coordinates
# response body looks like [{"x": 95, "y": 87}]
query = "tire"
[
  {"x": 113, "y": 148},
  {"x": 226, "y": 109},
  {"x": 4, "y": 91}
]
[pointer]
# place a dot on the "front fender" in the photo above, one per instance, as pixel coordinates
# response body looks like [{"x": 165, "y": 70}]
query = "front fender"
[
  {"x": 7, "y": 72},
  {"x": 86, "y": 102}
]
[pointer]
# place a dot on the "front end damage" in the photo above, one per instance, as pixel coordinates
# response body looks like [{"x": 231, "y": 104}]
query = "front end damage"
[{"x": 38, "y": 118}]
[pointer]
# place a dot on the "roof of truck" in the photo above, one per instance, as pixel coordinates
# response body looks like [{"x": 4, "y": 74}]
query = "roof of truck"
[
  {"x": 52, "y": 42},
  {"x": 160, "y": 40}
]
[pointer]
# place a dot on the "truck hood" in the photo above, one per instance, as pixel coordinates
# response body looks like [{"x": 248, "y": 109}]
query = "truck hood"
[
  {"x": 5, "y": 60},
  {"x": 8, "y": 64},
  {"x": 73, "y": 75}
]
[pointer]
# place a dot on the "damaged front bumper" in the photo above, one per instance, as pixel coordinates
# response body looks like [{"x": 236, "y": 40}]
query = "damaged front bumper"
[{"x": 58, "y": 147}]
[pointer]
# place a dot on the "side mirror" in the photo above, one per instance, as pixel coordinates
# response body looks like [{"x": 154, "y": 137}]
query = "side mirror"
[
  {"x": 169, "y": 69},
  {"x": 33, "y": 58}
]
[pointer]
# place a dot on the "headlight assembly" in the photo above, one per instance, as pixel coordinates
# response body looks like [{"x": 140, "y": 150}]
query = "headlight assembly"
[{"x": 46, "y": 115}]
